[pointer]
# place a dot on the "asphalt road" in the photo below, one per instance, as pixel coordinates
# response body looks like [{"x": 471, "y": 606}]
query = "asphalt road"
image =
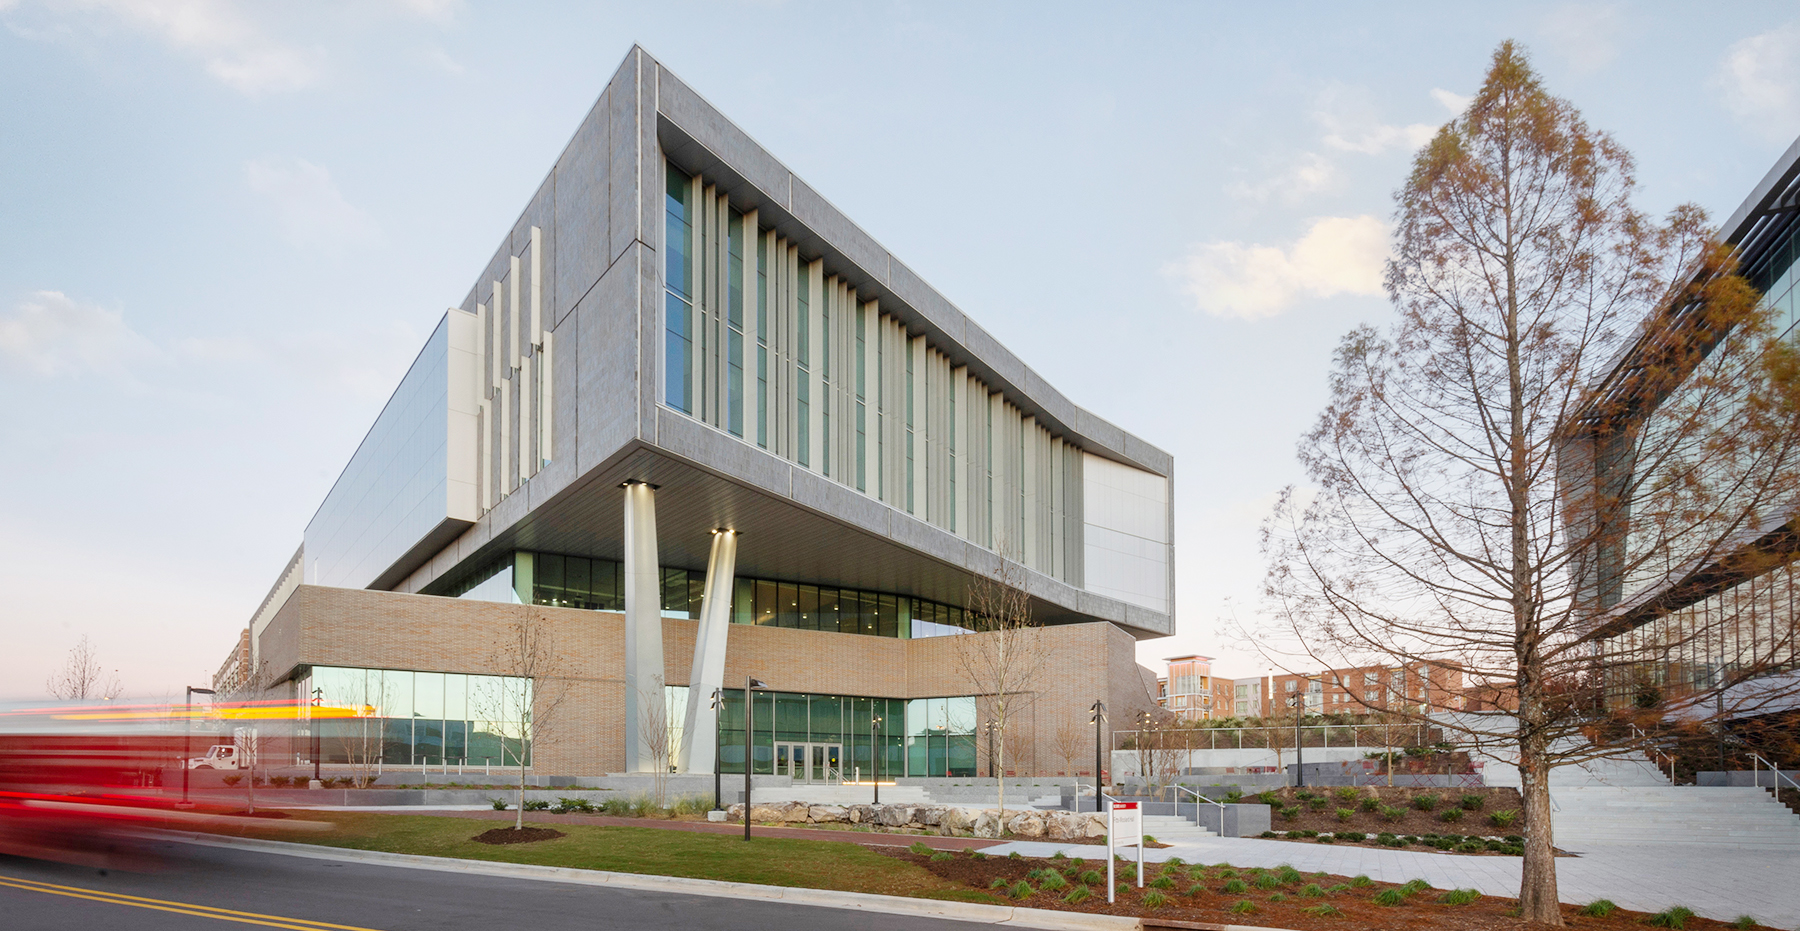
[{"x": 213, "y": 888}]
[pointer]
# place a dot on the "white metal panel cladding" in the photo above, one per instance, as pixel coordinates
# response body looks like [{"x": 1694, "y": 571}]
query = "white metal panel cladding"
[
  {"x": 397, "y": 489},
  {"x": 1125, "y": 533},
  {"x": 852, "y": 393}
]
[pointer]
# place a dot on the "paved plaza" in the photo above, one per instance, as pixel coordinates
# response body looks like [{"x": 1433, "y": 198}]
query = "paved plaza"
[{"x": 1716, "y": 882}]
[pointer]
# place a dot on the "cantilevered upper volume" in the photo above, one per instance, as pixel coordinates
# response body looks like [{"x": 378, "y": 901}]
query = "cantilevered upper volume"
[{"x": 676, "y": 307}]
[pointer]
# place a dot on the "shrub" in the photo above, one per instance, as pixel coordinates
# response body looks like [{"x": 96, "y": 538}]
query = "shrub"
[
  {"x": 1514, "y": 839},
  {"x": 1346, "y": 793},
  {"x": 1471, "y": 846},
  {"x": 1059, "y": 855},
  {"x": 566, "y": 805},
  {"x": 1243, "y": 907},
  {"x": 1287, "y": 874},
  {"x": 1267, "y": 798},
  {"x": 1303, "y": 833},
  {"x": 1599, "y": 908},
  {"x": 1196, "y": 889},
  {"x": 1090, "y": 877},
  {"x": 1020, "y": 890},
  {"x": 1459, "y": 897},
  {"x": 1675, "y": 916},
  {"x": 1128, "y": 871},
  {"x": 1352, "y": 836},
  {"x": 1414, "y": 886},
  {"x": 498, "y": 803},
  {"x": 1268, "y": 834},
  {"x": 1155, "y": 899},
  {"x": 1051, "y": 882},
  {"x": 1345, "y": 814},
  {"x": 1360, "y": 881},
  {"x": 1171, "y": 862},
  {"x": 998, "y": 883},
  {"x": 1325, "y": 911},
  {"x": 1391, "y": 814},
  {"x": 1236, "y": 887},
  {"x": 1278, "y": 898},
  {"x": 232, "y": 779},
  {"x": 1316, "y": 803},
  {"x": 1503, "y": 819},
  {"x": 1512, "y": 850},
  {"x": 1012, "y": 856},
  {"x": 1327, "y": 839},
  {"x": 1369, "y": 804},
  {"x": 1451, "y": 815},
  {"x": 1078, "y": 895},
  {"x": 918, "y": 847},
  {"x": 1340, "y": 887},
  {"x": 1150, "y": 839},
  {"x": 1268, "y": 881},
  {"x": 1389, "y": 897},
  {"x": 1162, "y": 882},
  {"x": 1425, "y": 802},
  {"x": 1226, "y": 872},
  {"x": 1233, "y": 797},
  {"x": 1289, "y": 812},
  {"x": 977, "y": 855},
  {"x": 1312, "y": 891},
  {"x": 536, "y": 804},
  {"x": 1473, "y": 802}
]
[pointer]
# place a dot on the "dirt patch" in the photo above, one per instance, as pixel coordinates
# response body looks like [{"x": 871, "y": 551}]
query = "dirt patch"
[
  {"x": 1286, "y": 899},
  {"x": 517, "y": 835}
]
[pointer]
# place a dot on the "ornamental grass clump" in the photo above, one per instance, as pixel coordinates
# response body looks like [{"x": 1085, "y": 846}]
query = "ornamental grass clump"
[
  {"x": 1052, "y": 881},
  {"x": 1268, "y": 881},
  {"x": 1196, "y": 889},
  {"x": 1743, "y": 921},
  {"x": 1020, "y": 890},
  {"x": 1389, "y": 897},
  {"x": 919, "y": 847},
  {"x": 1078, "y": 895},
  {"x": 1312, "y": 891},
  {"x": 1324, "y": 911},
  {"x": 1360, "y": 881},
  {"x": 943, "y": 855},
  {"x": 1236, "y": 887},
  {"x": 1287, "y": 874},
  {"x": 1161, "y": 882},
  {"x": 1089, "y": 877},
  {"x": 1155, "y": 898},
  {"x": 1243, "y": 907},
  {"x": 1459, "y": 897},
  {"x": 1599, "y": 908},
  {"x": 1675, "y": 916},
  {"x": 1414, "y": 887}
]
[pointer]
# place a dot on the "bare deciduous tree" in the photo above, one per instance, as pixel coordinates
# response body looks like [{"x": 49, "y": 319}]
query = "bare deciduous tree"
[
  {"x": 82, "y": 677},
  {"x": 526, "y": 651},
  {"x": 1487, "y": 476},
  {"x": 656, "y": 724},
  {"x": 1071, "y": 742},
  {"x": 1005, "y": 656}
]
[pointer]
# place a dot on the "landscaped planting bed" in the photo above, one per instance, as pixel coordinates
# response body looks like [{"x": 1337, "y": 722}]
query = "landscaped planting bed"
[
  {"x": 1375, "y": 809},
  {"x": 1282, "y": 897}
]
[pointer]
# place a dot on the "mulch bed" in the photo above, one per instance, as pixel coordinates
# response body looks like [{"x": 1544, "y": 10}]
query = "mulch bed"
[
  {"x": 865, "y": 838},
  {"x": 1320, "y": 815},
  {"x": 1283, "y": 905},
  {"x": 516, "y": 835}
]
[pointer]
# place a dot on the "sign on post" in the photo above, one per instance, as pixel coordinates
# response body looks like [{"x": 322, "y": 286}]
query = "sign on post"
[{"x": 1124, "y": 828}]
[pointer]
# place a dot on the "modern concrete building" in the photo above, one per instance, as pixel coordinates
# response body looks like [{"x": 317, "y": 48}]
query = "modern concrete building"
[{"x": 695, "y": 425}]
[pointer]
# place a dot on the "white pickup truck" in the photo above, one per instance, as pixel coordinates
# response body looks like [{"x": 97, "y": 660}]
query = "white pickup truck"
[{"x": 219, "y": 756}]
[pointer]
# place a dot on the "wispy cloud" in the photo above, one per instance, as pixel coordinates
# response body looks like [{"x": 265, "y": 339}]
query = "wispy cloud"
[
  {"x": 51, "y": 334},
  {"x": 1759, "y": 80},
  {"x": 309, "y": 208},
  {"x": 1452, "y": 101},
  {"x": 1348, "y": 116},
  {"x": 1585, "y": 34},
  {"x": 1337, "y": 255}
]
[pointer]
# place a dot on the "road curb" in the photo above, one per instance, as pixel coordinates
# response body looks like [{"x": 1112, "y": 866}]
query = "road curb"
[{"x": 1009, "y": 915}]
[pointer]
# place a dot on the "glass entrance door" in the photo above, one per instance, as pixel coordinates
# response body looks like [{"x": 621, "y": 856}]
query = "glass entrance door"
[{"x": 809, "y": 762}]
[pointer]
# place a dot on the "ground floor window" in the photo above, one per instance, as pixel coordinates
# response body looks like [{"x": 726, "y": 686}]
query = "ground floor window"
[
  {"x": 825, "y": 738},
  {"x": 412, "y": 718}
]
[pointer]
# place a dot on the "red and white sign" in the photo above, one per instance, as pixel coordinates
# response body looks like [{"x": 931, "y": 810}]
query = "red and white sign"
[{"x": 1127, "y": 824}]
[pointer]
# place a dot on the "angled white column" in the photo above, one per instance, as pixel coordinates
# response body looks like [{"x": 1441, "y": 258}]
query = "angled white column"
[
  {"x": 700, "y": 731},
  {"x": 643, "y": 627}
]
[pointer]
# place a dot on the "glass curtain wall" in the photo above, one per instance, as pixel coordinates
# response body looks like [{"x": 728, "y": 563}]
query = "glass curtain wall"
[
  {"x": 411, "y": 718},
  {"x": 598, "y": 585},
  {"x": 921, "y": 737}
]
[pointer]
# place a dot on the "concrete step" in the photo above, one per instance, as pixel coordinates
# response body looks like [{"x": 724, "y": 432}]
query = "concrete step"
[
  {"x": 828, "y": 794},
  {"x": 1685, "y": 815},
  {"x": 1168, "y": 827}
]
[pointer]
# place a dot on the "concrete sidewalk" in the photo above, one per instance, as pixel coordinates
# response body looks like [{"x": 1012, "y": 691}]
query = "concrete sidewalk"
[{"x": 1716, "y": 882}]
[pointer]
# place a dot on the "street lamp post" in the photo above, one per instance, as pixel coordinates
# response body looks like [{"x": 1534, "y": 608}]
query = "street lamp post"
[
  {"x": 1097, "y": 716},
  {"x": 875, "y": 754},
  {"x": 1299, "y": 704},
  {"x": 187, "y": 740},
  {"x": 318, "y": 696},
  {"x": 751, "y": 684},
  {"x": 718, "y": 699}
]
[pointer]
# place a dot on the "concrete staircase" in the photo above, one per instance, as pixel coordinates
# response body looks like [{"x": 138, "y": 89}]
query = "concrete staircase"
[
  {"x": 1591, "y": 815},
  {"x": 1173, "y": 829}
]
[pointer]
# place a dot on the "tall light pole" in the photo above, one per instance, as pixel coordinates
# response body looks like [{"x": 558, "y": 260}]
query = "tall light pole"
[
  {"x": 1299, "y": 705},
  {"x": 875, "y": 753},
  {"x": 751, "y": 684},
  {"x": 1097, "y": 717},
  {"x": 187, "y": 741},
  {"x": 718, "y": 698},
  {"x": 313, "y": 722}
]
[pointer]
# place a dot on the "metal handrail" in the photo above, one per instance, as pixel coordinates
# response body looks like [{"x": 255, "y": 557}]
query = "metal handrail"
[
  {"x": 1756, "y": 774},
  {"x": 1668, "y": 757},
  {"x": 1182, "y": 788}
]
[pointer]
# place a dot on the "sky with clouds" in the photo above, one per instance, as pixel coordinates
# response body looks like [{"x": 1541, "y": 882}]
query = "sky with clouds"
[{"x": 229, "y": 226}]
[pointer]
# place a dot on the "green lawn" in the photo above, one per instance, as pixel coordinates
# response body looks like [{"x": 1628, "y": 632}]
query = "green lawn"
[{"x": 772, "y": 861}]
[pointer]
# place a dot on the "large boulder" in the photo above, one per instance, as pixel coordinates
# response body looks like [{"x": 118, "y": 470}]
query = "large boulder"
[
  {"x": 929, "y": 816},
  {"x": 764, "y": 813},
  {"x": 957, "y": 820},
  {"x": 735, "y": 812},
  {"x": 896, "y": 816},
  {"x": 827, "y": 814},
  {"x": 796, "y": 812},
  {"x": 987, "y": 824},
  {"x": 1064, "y": 825},
  {"x": 1096, "y": 825},
  {"x": 862, "y": 814},
  {"x": 1026, "y": 824}
]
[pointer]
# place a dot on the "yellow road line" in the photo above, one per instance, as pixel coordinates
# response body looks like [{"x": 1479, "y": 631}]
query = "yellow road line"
[{"x": 179, "y": 908}]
